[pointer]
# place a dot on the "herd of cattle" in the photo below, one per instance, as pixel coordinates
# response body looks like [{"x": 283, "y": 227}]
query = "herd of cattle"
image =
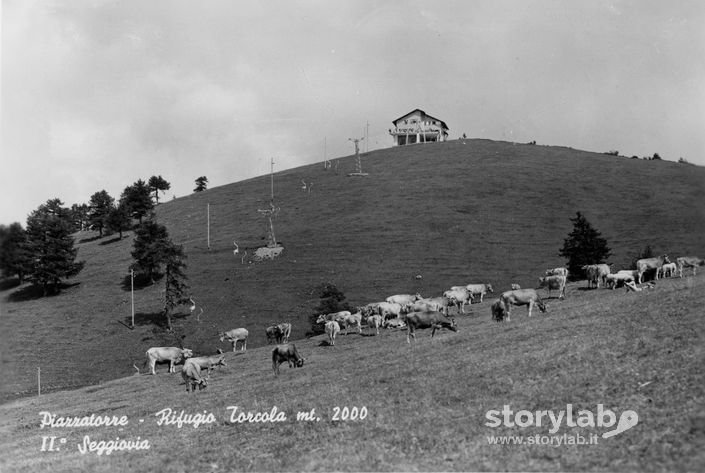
[{"x": 415, "y": 312}]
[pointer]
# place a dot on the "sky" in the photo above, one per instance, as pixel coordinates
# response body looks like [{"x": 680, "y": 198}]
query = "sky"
[{"x": 97, "y": 94}]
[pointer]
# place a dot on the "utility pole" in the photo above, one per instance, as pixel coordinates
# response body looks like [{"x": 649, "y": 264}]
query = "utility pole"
[
  {"x": 132, "y": 291},
  {"x": 357, "y": 155},
  {"x": 367, "y": 138}
]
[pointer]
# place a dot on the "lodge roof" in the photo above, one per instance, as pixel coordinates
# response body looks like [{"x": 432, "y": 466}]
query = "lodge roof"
[{"x": 424, "y": 115}]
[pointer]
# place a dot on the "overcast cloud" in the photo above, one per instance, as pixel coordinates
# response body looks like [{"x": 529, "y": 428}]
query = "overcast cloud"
[{"x": 96, "y": 94}]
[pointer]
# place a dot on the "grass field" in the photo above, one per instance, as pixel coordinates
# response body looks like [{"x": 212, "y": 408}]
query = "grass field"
[
  {"x": 426, "y": 404},
  {"x": 452, "y": 213}
]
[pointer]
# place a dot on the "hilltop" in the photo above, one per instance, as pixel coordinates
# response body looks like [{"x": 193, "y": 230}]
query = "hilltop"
[{"x": 425, "y": 218}]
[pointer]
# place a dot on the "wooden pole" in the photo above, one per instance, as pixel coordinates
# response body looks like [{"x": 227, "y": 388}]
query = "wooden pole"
[
  {"x": 39, "y": 381},
  {"x": 132, "y": 291},
  {"x": 208, "y": 224}
]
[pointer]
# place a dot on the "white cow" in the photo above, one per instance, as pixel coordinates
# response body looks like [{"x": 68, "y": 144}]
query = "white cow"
[
  {"x": 191, "y": 373},
  {"x": 688, "y": 262},
  {"x": 527, "y": 297},
  {"x": 235, "y": 335},
  {"x": 614, "y": 280},
  {"x": 646, "y": 264},
  {"x": 173, "y": 355},
  {"x": 332, "y": 316},
  {"x": 390, "y": 310},
  {"x": 557, "y": 272},
  {"x": 207, "y": 363},
  {"x": 375, "y": 321},
  {"x": 404, "y": 299},
  {"x": 350, "y": 320},
  {"x": 436, "y": 304},
  {"x": 332, "y": 330},
  {"x": 668, "y": 270},
  {"x": 596, "y": 273},
  {"x": 554, "y": 282},
  {"x": 480, "y": 289},
  {"x": 458, "y": 296}
]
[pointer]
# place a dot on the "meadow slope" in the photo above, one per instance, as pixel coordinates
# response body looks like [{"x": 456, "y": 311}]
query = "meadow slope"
[
  {"x": 426, "y": 405},
  {"x": 451, "y": 213}
]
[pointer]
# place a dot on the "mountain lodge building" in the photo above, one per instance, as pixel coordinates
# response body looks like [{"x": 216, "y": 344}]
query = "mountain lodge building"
[{"x": 418, "y": 127}]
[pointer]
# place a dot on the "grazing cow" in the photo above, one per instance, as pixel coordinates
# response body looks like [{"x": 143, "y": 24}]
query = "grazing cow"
[
  {"x": 668, "y": 270},
  {"x": 614, "y": 280},
  {"x": 421, "y": 320},
  {"x": 404, "y": 299},
  {"x": 389, "y": 310},
  {"x": 191, "y": 373},
  {"x": 499, "y": 311},
  {"x": 207, "y": 363},
  {"x": 514, "y": 287},
  {"x": 458, "y": 296},
  {"x": 274, "y": 334},
  {"x": 553, "y": 282},
  {"x": 374, "y": 321},
  {"x": 646, "y": 264},
  {"x": 557, "y": 272},
  {"x": 527, "y": 297},
  {"x": 394, "y": 323},
  {"x": 332, "y": 330},
  {"x": 688, "y": 262},
  {"x": 332, "y": 316},
  {"x": 480, "y": 289},
  {"x": 350, "y": 320},
  {"x": 173, "y": 355},
  {"x": 235, "y": 335},
  {"x": 288, "y": 353},
  {"x": 285, "y": 329}
]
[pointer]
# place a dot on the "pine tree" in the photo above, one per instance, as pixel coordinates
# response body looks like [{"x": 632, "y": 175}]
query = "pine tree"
[
  {"x": 201, "y": 184},
  {"x": 157, "y": 184},
  {"x": 150, "y": 249},
  {"x": 14, "y": 259},
  {"x": 583, "y": 246},
  {"x": 175, "y": 290},
  {"x": 101, "y": 204},
  {"x": 50, "y": 246},
  {"x": 119, "y": 219},
  {"x": 137, "y": 199}
]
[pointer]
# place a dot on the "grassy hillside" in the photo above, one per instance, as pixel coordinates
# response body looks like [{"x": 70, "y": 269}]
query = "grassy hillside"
[
  {"x": 453, "y": 213},
  {"x": 426, "y": 405}
]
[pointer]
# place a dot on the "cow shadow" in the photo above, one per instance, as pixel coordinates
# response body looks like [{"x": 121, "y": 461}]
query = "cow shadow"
[
  {"x": 324, "y": 343},
  {"x": 90, "y": 239},
  {"x": 112, "y": 240},
  {"x": 140, "y": 281},
  {"x": 157, "y": 319},
  {"x": 33, "y": 292}
]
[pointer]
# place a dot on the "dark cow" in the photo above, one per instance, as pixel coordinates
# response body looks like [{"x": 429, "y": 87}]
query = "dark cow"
[
  {"x": 274, "y": 334},
  {"x": 427, "y": 319},
  {"x": 288, "y": 353},
  {"x": 499, "y": 311},
  {"x": 554, "y": 282}
]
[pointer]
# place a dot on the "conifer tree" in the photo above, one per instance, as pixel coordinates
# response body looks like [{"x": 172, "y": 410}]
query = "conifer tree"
[
  {"x": 51, "y": 246},
  {"x": 583, "y": 246}
]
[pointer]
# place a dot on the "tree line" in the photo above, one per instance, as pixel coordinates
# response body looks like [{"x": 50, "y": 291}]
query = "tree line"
[{"x": 44, "y": 254}]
